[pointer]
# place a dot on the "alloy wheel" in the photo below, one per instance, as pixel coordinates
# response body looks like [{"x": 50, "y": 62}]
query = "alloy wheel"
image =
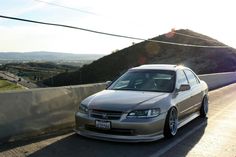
[
  {"x": 173, "y": 121},
  {"x": 205, "y": 106}
]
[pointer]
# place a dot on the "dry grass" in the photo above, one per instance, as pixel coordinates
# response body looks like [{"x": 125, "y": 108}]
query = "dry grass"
[{"x": 6, "y": 86}]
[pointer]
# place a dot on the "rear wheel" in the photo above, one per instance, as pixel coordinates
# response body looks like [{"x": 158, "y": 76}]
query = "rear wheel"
[
  {"x": 171, "y": 123},
  {"x": 204, "y": 107}
]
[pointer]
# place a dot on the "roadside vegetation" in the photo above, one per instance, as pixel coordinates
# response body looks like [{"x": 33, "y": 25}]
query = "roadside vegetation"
[
  {"x": 37, "y": 71},
  {"x": 6, "y": 86}
]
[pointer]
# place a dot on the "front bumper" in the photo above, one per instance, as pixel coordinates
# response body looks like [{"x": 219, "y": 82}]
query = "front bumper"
[{"x": 139, "y": 130}]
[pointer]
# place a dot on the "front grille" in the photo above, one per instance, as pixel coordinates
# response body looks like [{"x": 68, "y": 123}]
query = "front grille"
[
  {"x": 112, "y": 131},
  {"x": 104, "y": 114}
]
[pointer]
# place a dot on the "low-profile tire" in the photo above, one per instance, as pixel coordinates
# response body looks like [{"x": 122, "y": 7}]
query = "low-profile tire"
[
  {"x": 204, "y": 107},
  {"x": 171, "y": 123}
]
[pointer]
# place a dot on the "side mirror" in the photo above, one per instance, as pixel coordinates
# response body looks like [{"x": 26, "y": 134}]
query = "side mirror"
[
  {"x": 108, "y": 83},
  {"x": 183, "y": 87}
]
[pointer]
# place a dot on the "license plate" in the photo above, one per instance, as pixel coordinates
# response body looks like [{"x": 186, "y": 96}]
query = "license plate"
[{"x": 103, "y": 125}]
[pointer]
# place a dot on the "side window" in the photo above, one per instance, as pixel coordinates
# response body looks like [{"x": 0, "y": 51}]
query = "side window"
[
  {"x": 181, "y": 78},
  {"x": 191, "y": 78}
]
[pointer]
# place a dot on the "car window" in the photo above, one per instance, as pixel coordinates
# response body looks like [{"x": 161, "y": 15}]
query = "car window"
[
  {"x": 146, "y": 80},
  {"x": 181, "y": 78},
  {"x": 123, "y": 84},
  {"x": 191, "y": 78}
]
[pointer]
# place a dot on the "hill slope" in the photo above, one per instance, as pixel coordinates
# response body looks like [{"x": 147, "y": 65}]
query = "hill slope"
[{"x": 201, "y": 60}]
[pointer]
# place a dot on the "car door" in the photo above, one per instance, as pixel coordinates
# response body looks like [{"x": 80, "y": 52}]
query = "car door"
[
  {"x": 195, "y": 90},
  {"x": 182, "y": 98}
]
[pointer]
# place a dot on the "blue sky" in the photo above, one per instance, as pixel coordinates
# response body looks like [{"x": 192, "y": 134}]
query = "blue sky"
[{"x": 142, "y": 18}]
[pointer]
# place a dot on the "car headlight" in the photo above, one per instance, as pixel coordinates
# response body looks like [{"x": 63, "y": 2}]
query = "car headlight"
[
  {"x": 83, "y": 109},
  {"x": 149, "y": 113}
]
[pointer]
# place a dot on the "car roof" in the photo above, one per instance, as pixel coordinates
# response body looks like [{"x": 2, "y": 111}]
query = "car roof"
[{"x": 159, "y": 67}]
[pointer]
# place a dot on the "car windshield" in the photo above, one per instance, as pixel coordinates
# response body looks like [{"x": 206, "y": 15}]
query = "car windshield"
[{"x": 146, "y": 80}]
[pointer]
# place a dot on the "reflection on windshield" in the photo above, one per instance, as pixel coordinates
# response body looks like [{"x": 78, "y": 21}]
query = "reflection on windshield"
[{"x": 146, "y": 80}]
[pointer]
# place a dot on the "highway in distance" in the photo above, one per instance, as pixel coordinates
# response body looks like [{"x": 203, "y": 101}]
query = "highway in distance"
[{"x": 211, "y": 137}]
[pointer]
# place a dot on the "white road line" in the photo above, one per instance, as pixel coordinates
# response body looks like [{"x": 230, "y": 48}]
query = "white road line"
[{"x": 171, "y": 145}]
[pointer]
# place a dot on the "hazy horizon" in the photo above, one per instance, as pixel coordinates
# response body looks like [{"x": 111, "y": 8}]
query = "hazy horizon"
[{"x": 54, "y": 52}]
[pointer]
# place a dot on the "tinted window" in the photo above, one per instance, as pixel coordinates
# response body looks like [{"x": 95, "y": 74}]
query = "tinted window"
[
  {"x": 146, "y": 80},
  {"x": 181, "y": 78},
  {"x": 191, "y": 78}
]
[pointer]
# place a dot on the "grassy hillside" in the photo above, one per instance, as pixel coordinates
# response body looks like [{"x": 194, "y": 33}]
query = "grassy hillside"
[
  {"x": 6, "y": 86},
  {"x": 201, "y": 60}
]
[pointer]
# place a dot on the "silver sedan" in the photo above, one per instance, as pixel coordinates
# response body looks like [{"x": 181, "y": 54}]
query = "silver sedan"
[{"x": 144, "y": 104}]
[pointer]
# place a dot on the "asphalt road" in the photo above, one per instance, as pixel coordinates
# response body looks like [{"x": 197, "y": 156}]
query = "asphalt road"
[
  {"x": 211, "y": 137},
  {"x": 13, "y": 78}
]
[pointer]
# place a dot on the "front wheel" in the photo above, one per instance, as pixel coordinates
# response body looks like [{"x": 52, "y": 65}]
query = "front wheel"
[
  {"x": 204, "y": 107},
  {"x": 171, "y": 123}
]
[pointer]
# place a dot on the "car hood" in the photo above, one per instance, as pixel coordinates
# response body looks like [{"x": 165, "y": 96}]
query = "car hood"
[{"x": 121, "y": 100}]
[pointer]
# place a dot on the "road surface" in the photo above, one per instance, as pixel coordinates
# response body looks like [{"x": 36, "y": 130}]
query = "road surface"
[
  {"x": 13, "y": 78},
  {"x": 211, "y": 137}
]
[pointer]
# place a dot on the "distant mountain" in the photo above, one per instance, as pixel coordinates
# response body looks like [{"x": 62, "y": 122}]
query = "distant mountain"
[
  {"x": 201, "y": 60},
  {"x": 47, "y": 56}
]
